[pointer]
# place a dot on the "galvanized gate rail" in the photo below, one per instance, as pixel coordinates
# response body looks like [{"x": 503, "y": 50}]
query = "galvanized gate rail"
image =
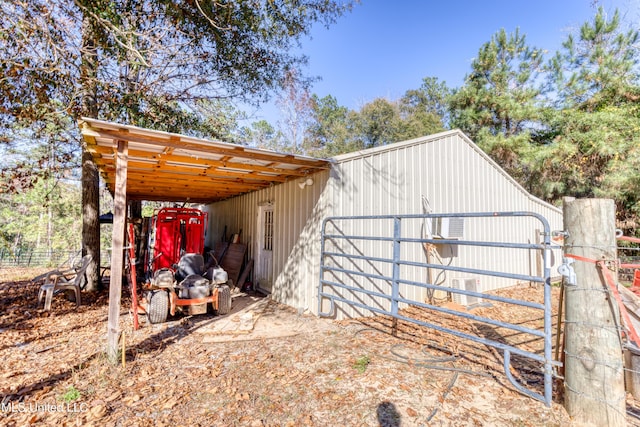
[{"x": 395, "y": 299}]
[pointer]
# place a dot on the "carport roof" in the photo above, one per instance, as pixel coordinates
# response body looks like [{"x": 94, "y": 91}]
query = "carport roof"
[{"x": 172, "y": 167}]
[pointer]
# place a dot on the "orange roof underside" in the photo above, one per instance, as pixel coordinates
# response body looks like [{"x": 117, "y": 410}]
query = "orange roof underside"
[{"x": 171, "y": 167}]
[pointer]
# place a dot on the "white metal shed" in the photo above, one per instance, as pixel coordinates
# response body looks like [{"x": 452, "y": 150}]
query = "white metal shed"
[{"x": 282, "y": 223}]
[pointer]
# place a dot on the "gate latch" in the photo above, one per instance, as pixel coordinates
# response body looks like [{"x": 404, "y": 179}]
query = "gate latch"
[{"x": 566, "y": 270}]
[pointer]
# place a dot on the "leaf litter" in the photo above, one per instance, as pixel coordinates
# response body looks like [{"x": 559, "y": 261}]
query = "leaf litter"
[{"x": 330, "y": 373}]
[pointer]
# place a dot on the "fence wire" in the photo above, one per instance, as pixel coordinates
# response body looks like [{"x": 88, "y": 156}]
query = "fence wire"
[
  {"x": 625, "y": 276},
  {"x": 43, "y": 258},
  {"x": 36, "y": 258}
]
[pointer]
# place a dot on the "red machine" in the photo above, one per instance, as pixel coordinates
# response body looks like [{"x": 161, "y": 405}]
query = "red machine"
[
  {"x": 178, "y": 276},
  {"x": 175, "y": 232}
]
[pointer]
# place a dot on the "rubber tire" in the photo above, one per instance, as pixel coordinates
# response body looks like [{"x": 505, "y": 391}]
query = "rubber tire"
[
  {"x": 224, "y": 300},
  {"x": 158, "y": 308}
]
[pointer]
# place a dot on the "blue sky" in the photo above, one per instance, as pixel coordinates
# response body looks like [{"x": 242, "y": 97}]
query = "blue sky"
[{"x": 382, "y": 48}]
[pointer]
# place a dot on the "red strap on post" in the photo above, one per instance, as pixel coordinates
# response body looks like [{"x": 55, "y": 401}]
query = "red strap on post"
[
  {"x": 631, "y": 331},
  {"x": 581, "y": 258},
  {"x": 629, "y": 239}
]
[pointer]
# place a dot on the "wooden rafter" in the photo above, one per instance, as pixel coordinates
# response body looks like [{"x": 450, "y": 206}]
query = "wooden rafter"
[
  {"x": 172, "y": 167},
  {"x": 214, "y": 148}
]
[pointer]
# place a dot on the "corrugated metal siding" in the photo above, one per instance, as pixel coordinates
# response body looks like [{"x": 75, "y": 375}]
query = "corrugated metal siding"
[
  {"x": 302, "y": 214},
  {"x": 446, "y": 168},
  {"x": 296, "y": 252},
  {"x": 455, "y": 176}
]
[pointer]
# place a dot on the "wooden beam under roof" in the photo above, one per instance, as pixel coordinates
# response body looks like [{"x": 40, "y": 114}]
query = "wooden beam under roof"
[
  {"x": 194, "y": 189},
  {"x": 232, "y": 184},
  {"x": 232, "y": 151},
  {"x": 179, "y": 196},
  {"x": 204, "y": 177},
  {"x": 222, "y": 163},
  {"x": 172, "y": 167},
  {"x": 200, "y": 171}
]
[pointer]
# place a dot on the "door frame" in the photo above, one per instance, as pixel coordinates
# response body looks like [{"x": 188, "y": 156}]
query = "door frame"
[{"x": 260, "y": 246}]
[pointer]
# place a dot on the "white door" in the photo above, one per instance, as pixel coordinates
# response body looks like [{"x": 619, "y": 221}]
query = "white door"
[{"x": 263, "y": 274}]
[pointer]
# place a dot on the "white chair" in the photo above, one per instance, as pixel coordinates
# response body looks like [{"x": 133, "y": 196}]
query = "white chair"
[{"x": 57, "y": 281}]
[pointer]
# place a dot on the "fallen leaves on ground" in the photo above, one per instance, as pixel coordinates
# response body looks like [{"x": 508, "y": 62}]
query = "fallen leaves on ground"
[{"x": 173, "y": 378}]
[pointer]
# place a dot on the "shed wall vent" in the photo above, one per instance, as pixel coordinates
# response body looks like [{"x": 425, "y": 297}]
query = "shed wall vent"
[
  {"x": 467, "y": 284},
  {"x": 448, "y": 228}
]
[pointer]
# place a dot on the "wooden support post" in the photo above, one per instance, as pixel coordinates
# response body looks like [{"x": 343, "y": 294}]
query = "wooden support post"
[
  {"x": 594, "y": 374},
  {"x": 117, "y": 255}
]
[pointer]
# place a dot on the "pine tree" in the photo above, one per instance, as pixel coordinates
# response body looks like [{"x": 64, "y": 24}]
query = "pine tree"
[
  {"x": 498, "y": 104},
  {"x": 594, "y": 119}
]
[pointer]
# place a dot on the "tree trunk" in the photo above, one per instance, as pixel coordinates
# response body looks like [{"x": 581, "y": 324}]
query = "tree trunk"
[
  {"x": 91, "y": 219},
  {"x": 90, "y": 177}
]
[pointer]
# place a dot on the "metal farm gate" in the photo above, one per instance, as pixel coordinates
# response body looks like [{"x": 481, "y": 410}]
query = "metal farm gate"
[{"x": 384, "y": 264}]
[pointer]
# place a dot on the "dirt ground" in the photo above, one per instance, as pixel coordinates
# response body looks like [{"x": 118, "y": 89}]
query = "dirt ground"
[{"x": 262, "y": 365}]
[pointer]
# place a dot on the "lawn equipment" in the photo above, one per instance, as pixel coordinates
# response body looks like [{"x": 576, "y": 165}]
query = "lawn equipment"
[{"x": 177, "y": 276}]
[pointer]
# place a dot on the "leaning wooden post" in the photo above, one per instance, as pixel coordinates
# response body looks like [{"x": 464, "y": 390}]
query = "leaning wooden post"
[
  {"x": 117, "y": 255},
  {"x": 594, "y": 374}
]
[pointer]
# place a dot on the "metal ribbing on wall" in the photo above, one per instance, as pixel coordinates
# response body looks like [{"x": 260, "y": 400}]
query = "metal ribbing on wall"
[
  {"x": 448, "y": 169},
  {"x": 296, "y": 237},
  {"x": 456, "y": 177}
]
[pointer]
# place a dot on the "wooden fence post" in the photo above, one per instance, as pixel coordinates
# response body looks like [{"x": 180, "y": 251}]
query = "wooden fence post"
[
  {"x": 594, "y": 369},
  {"x": 117, "y": 257}
]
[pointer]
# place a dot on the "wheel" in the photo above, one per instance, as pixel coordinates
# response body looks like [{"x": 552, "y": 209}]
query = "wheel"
[
  {"x": 158, "y": 307},
  {"x": 224, "y": 300}
]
